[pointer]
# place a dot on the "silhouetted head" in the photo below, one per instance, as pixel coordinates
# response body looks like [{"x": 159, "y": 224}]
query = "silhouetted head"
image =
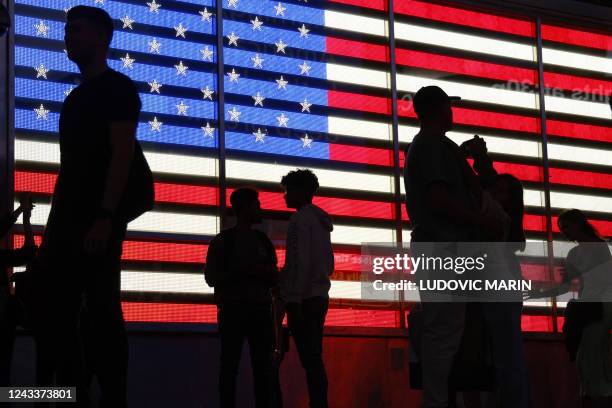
[
  {"x": 300, "y": 187},
  {"x": 87, "y": 34},
  {"x": 246, "y": 205},
  {"x": 576, "y": 227},
  {"x": 433, "y": 108},
  {"x": 508, "y": 192}
]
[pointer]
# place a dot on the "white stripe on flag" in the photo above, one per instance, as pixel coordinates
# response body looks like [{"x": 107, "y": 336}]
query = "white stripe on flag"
[
  {"x": 577, "y": 60},
  {"x": 355, "y": 22},
  {"x": 257, "y": 171},
  {"x": 476, "y": 93},
  {"x": 495, "y": 144},
  {"x": 170, "y": 163},
  {"x": 359, "y": 128},
  {"x": 357, "y": 76},
  {"x": 152, "y": 221},
  {"x": 467, "y": 42}
]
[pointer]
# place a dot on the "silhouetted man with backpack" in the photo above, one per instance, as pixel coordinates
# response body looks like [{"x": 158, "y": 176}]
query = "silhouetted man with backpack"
[{"x": 104, "y": 182}]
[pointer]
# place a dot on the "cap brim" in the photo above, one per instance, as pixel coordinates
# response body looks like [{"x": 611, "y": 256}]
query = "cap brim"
[{"x": 454, "y": 98}]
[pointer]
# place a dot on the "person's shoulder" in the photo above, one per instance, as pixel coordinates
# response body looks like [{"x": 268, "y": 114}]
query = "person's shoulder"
[
  {"x": 223, "y": 236},
  {"x": 119, "y": 80}
]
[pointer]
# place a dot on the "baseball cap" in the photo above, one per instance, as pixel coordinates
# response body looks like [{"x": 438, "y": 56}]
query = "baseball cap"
[{"x": 430, "y": 97}]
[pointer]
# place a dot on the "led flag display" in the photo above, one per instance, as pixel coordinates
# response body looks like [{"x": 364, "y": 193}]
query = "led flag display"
[{"x": 307, "y": 84}]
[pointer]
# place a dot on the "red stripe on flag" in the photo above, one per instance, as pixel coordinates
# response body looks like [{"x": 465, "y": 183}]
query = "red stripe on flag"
[
  {"x": 186, "y": 194},
  {"x": 358, "y": 102},
  {"x": 44, "y": 183},
  {"x": 41, "y": 183},
  {"x": 518, "y": 123},
  {"x": 196, "y": 313},
  {"x": 373, "y": 4},
  {"x": 536, "y": 323},
  {"x": 169, "y": 312},
  {"x": 576, "y": 37},
  {"x": 334, "y": 206},
  {"x": 464, "y": 17},
  {"x": 473, "y": 117},
  {"x": 524, "y": 172},
  {"x": 426, "y": 60},
  {"x": 578, "y": 84},
  {"x": 357, "y": 49},
  {"x": 164, "y": 252},
  {"x": 362, "y": 155},
  {"x": 362, "y": 318},
  {"x": 579, "y": 131},
  {"x": 580, "y": 178}
]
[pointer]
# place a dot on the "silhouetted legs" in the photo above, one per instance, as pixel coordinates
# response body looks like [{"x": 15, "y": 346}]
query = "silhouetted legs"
[
  {"x": 443, "y": 325},
  {"x": 65, "y": 343},
  {"x": 504, "y": 323},
  {"x": 253, "y": 322},
  {"x": 308, "y": 336}
]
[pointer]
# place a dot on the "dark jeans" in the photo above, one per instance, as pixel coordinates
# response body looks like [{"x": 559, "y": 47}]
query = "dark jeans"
[
  {"x": 251, "y": 321},
  {"x": 79, "y": 326},
  {"x": 307, "y": 332}
]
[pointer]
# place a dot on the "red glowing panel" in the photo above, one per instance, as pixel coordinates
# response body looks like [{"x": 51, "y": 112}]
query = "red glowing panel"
[
  {"x": 464, "y": 17},
  {"x": 577, "y": 37}
]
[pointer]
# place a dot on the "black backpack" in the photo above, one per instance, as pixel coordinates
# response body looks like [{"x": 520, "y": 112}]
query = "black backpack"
[{"x": 139, "y": 195}]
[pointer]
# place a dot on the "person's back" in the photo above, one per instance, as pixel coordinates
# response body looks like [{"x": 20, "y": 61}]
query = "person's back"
[
  {"x": 234, "y": 266},
  {"x": 85, "y": 121},
  {"x": 310, "y": 258},
  {"x": 432, "y": 160}
]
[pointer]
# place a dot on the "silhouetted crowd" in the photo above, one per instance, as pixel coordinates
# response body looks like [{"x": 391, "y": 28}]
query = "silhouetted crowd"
[{"x": 69, "y": 294}]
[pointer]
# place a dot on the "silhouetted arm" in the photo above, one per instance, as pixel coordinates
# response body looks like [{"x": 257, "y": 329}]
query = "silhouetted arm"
[
  {"x": 483, "y": 165},
  {"x": 122, "y": 141}
]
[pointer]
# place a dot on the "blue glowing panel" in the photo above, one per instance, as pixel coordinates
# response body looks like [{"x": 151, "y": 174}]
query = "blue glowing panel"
[{"x": 168, "y": 51}]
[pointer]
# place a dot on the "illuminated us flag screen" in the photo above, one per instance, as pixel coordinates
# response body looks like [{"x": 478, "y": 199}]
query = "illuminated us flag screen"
[{"x": 308, "y": 84}]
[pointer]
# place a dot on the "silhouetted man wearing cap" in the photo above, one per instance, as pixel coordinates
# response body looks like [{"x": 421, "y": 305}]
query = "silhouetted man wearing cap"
[
  {"x": 103, "y": 183},
  {"x": 441, "y": 196}
]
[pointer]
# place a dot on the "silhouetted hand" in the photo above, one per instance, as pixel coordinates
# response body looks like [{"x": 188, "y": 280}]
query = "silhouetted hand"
[
  {"x": 26, "y": 206},
  {"x": 98, "y": 236}
]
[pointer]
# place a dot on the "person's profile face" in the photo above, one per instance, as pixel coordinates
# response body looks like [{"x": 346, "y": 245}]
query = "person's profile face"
[
  {"x": 569, "y": 229},
  {"x": 254, "y": 212},
  {"x": 446, "y": 115},
  {"x": 291, "y": 197},
  {"x": 82, "y": 38}
]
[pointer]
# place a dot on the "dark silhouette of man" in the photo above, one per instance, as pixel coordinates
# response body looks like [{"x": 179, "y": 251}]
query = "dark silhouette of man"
[
  {"x": 241, "y": 266},
  {"x": 103, "y": 183},
  {"x": 442, "y": 200},
  {"x": 305, "y": 279}
]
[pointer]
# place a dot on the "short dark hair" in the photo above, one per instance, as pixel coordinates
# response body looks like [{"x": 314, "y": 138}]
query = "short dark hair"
[
  {"x": 302, "y": 179},
  {"x": 243, "y": 197},
  {"x": 95, "y": 16}
]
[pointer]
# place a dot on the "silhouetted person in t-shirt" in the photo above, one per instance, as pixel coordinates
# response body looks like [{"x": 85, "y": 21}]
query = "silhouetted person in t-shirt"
[
  {"x": 241, "y": 266},
  {"x": 442, "y": 200},
  {"x": 101, "y": 168}
]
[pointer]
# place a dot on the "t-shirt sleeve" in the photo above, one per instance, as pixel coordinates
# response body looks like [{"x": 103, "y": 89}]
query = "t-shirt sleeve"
[
  {"x": 433, "y": 164},
  {"x": 124, "y": 102}
]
